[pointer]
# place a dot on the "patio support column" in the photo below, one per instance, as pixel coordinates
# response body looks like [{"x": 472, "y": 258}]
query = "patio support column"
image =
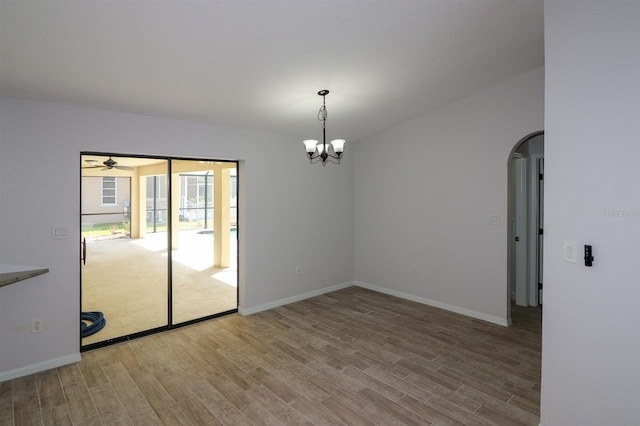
[
  {"x": 175, "y": 213},
  {"x": 221, "y": 210},
  {"x": 139, "y": 206},
  {"x": 134, "y": 207}
]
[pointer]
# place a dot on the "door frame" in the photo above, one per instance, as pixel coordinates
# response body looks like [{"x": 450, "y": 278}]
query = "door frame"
[
  {"x": 169, "y": 325},
  {"x": 534, "y": 254}
]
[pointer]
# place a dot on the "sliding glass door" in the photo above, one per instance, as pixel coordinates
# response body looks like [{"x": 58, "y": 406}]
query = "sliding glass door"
[{"x": 134, "y": 209}]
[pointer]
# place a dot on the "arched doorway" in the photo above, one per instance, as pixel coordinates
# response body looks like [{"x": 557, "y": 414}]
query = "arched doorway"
[{"x": 526, "y": 220}]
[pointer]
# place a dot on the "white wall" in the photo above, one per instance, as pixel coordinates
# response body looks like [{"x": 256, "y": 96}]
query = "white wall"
[
  {"x": 294, "y": 214},
  {"x": 424, "y": 192},
  {"x": 591, "y": 326}
]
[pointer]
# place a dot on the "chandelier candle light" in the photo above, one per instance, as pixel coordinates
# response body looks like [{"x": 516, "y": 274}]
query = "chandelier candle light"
[{"x": 316, "y": 149}]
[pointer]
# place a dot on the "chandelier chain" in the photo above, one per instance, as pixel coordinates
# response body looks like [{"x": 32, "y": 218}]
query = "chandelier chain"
[{"x": 322, "y": 114}]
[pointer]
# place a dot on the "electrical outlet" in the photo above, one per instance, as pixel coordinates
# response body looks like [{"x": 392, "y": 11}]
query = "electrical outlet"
[
  {"x": 36, "y": 325},
  {"x": 298, "y": 271},
  {"x": 59, "y": 233},
  {"x": 416, "y": 271}
]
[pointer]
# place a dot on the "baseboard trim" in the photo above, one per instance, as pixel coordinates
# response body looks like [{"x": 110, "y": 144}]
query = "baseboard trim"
[
  {"x": 458, "y": 310},
  {"x": 287, "y": 300},
  {"x": 41, "y": 366}
]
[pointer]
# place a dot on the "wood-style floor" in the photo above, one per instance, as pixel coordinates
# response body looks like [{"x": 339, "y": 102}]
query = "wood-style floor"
[{"x": 352, "y": 357}]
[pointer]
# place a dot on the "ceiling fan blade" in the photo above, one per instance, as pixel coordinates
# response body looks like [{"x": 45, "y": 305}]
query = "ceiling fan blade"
[{"x": 124, "y": 168}]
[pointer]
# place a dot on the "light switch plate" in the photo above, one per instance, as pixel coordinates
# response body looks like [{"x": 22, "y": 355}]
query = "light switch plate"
[
  {"x": 570, "y": 251},
  {"x": 494, "y": 220}
]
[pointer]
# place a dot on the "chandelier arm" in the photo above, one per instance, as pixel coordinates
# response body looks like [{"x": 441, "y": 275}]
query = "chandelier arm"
[{"x": 323, "y": 158}]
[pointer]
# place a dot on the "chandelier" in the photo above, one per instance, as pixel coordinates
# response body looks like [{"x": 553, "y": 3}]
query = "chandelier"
[{"x": 316, "y": 149}]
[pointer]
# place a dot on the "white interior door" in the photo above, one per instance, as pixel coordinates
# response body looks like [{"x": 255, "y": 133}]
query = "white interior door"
[{"x": 520, "y": 237}]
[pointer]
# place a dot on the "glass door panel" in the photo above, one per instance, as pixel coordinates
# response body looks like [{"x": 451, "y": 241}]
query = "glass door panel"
[
  {"x": 124, "y": 226},
  {"x": 204, "y": 255}
]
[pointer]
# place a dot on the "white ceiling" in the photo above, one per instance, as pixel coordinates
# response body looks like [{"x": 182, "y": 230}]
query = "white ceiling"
[{"x": 259, "y": 64}]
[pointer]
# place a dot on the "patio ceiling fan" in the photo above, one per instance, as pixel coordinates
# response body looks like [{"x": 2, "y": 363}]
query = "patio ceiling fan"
[{"x": 107, "y": 165}]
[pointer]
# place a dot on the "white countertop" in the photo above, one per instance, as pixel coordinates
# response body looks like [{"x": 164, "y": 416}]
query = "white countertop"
[{"x": 10, "y": 274}]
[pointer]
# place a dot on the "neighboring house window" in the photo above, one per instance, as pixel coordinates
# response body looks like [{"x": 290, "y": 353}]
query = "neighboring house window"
[{"x": 109, "y": 195}]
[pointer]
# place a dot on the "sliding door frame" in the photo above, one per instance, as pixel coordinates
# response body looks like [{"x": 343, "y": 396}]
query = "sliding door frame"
[{"x": 170, "y": 325}]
